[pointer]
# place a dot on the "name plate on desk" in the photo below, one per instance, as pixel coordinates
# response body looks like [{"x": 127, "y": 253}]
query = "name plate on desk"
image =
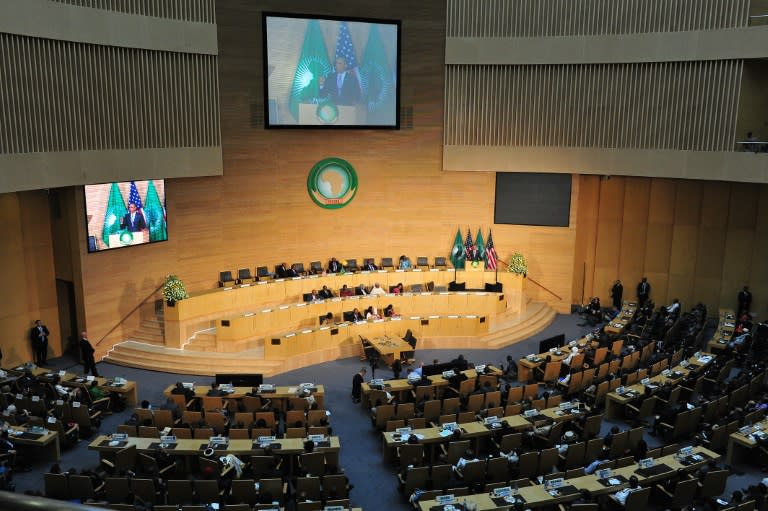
[
  {"x": 395, "y": 318},
  {"x": 248, "y": 314},
  {"x": 227, "y": 289},
  {"x": 119, "y": 437},
  {"x": 399, "y": 270},
  {"x": 453, "y": 316},
  {"x": 416, "y": 269},
  {"x": 283, "y": 307},
  {"x": 267, "y": 310},
  {"x": 290, "y": 335},
  {"x": 245, "y": 285},
  {"x": 303, "y": 304},
  {"x": 295, "y": 278},
  {"x": 306, "y": 331},
  {"x": 434, "y": 269},
  {"x": 261, "y": 282}
]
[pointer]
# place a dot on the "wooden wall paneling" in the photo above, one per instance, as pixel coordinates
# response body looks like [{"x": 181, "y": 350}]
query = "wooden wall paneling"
[
  {"x": 586, "y": 237},
  {"x": 711, "y": 243},
  {"x": 27, "y": 274},
  {"x": 758, "y": 281},
  {"x": 609, "y": 224},
  {"x": 685, "y": 232},
  {"x": 634, "y": 232},
  {"x": 661, "y": 208}
]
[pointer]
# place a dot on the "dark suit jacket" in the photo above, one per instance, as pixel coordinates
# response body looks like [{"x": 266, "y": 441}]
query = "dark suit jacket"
[
  {"x": 349, "y": 94},
  {"x": 334, "y": 267},
  {"x": 137, "y": 225},
  {"x": 86, "y": 350},
  {"x": 34, "y": 335},
  {"x": 371, "y": 267}
]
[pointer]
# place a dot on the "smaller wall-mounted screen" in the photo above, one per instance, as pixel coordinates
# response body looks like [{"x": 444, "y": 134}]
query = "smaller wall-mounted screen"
[
  {"x": 533, "y": 199},
  {"x": 331, "y": 72},
  {"x": 124, "y": 214}
]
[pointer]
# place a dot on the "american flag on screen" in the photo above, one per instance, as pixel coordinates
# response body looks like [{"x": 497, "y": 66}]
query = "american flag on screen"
[
  {"x": 133, "y": 196},
  {"x": 344, "y": 48},
  {"x": 469, "y": 247},
  {"x": 490, "y": 253}
]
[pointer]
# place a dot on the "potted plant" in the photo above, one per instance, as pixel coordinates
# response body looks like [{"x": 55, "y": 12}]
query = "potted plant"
[
  {"x": 518, "y": 264},
  {"x": 173, "y": 290}
]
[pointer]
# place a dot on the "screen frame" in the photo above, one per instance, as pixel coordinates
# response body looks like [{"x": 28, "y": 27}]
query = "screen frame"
[
  {"x": 149, "y": 243},
  {"x": 326, "y": 17}
]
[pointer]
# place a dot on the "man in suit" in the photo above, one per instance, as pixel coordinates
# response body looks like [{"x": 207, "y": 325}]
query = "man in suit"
[
  {"x": 39, "y": 338},
  {"x": 745, "y": 300},
  {"x": 341, "y": 87},
  {"x": 369, "y": 266},
  {"x": 326, "y": 293},
  {"x": 617, "y": 291},
  {"x": 334, "y": 266},
  {"x": 133, "y": 220},
  {"x": 643, "y": 291},
  {"x": 86, "y": 352}
]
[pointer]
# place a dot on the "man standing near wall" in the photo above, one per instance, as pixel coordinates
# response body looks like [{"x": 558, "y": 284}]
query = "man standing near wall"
[
  {"x": 86, "y": 351},
  {"x": 39, "y": 337}
]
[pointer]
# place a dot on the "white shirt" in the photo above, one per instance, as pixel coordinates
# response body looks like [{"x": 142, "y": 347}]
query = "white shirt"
[
  {"x": 377, "y": 291},
  {"x": 673, "y": 308},
  {"x": 621, "y": 495}
]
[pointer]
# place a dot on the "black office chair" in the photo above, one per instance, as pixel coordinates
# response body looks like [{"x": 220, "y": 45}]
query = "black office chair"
[
  {"x": 316, "y": 267},
  {"x": 352, "y": 265},
  {"x": 386, "y": 263},
  {"x": 348, "y": 315},
  {"x": 262, "y": 273},
  {"x": 226, "y": 279},
  {"x": 244, "y": 276},
  {"x": 440, "y": 263},
  {"x": 422, "y": 263},
  {"x": 299, "y": 267},
  {"x": 408, "y": 357}
]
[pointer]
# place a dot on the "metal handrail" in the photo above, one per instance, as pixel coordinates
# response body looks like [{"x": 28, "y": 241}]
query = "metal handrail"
[
  {"x": 150, "y": 295},
  {"x": 546, "y": 289}
]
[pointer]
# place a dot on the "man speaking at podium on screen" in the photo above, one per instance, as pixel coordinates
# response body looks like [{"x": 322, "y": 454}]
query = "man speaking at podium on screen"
[
  {"x": 341, "y": 87},
  {"x": 134, "y": 219}
]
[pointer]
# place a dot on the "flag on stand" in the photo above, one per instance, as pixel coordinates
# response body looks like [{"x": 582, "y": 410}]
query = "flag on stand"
[
  {"x": 490, "y": 253},
  {"x": 479, "y": 247},
  {"x": 155, "y": 216},
  {"x": 377, "y": 81},
  {"x": 312, "y": 65},
  {"x": 457, "y": 254},
  {"x": 115, "y": 211},
  {"x": 469, "y": 249},
  {"x": 133, "y": 198},
  {"x": 344, "y": 47}
]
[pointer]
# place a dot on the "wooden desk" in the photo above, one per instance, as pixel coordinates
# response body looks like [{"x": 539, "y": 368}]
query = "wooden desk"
[
  {"x": 724, "y": 333},
  {"x": 402, "y": 385},
  {"x": 431, "y": 436},
  {"x": 741, "y": 445},
  {"x": 347, "y": 334},
  {"x": 622, "y": 320},
  {"x": 282, "y": 393},
  {"x": 390, "y": 347},
  {"x": 129, "y": 389},
  {"x": 535, "y": 496},
  {"x": 47, "y": 444},
  {"x": 614, "y": 403},
  {"x": 187, "y": 315},
  {"x": 525, "y": 366},
  {"x": 192, "y": 447}
]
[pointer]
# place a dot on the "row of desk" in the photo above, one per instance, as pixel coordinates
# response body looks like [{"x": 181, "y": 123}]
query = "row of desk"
[
  {"x": 741, "y": 443},
  {"x": 620, "y": 323},
  {"x": 402, "y": 385},
  {"x": 537, "y": 496},
  {"x": 126, "y": 388},
  {"x": 312, "y": 339},
  {"x": 184, "y": 316},
  {"x": 267, "y": 321},
  {"x": 474, "y": 430},
  {"x": 724, "y": 332},
  {"x": 615, "y": 402}
]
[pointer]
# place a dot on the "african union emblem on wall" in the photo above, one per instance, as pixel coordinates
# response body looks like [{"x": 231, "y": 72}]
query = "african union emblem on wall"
[{"x": 332, "y": 183}]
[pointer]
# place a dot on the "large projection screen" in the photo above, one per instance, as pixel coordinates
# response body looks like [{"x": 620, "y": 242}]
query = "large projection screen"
[{"x": 323, "y": 72}]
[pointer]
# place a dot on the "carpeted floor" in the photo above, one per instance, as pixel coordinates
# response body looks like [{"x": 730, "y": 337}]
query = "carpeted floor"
[{"x": 374, "y": 482}]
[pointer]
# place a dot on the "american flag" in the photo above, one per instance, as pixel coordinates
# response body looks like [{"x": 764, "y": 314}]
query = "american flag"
[
  {"x": 133, "y": 197},
  {"x": 469, "y": 247},
  {"x": 344, "y": 48},
  {"x": 490, "y": 253}
]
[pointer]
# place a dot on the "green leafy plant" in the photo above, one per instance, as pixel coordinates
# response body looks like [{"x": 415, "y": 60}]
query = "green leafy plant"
[
  {"x": 173, "y": 289},
  {"x": 518, "y": 264}
]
